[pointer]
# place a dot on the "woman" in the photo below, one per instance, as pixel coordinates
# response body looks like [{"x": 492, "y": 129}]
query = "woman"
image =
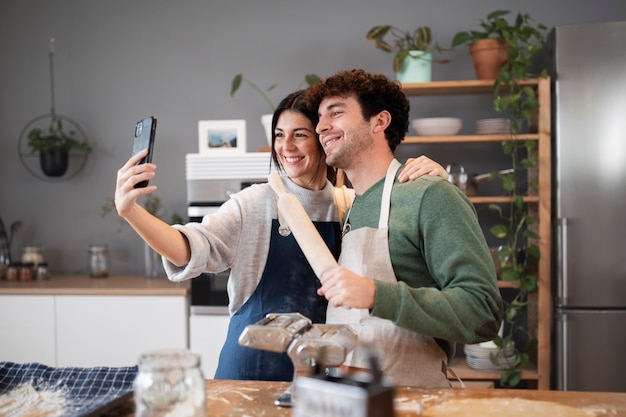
[{"x": 269, "y": 273}]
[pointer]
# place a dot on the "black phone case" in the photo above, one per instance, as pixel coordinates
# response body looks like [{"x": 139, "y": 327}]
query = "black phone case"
[{"x": 145, "y": 131}]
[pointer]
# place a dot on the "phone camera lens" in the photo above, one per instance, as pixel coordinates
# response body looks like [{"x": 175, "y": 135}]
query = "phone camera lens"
[{"x": 138, "y": 129}]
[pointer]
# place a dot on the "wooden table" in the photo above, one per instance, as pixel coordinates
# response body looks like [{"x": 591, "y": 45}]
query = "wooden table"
[
  {"x": 252, "y": 398},
  {"x": 84, "y": 285}
]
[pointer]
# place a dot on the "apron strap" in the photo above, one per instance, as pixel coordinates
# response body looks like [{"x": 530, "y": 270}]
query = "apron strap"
[
  {"x": 386, "y": 200},
  {"x": 283, "y": 228}
]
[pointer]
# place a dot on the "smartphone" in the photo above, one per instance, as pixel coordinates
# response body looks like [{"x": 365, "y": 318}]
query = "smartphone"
[{"x": 145, "y": 131}]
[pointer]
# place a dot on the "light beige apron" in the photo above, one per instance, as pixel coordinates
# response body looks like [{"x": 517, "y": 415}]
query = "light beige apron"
[{"x": 405, "y": 357}]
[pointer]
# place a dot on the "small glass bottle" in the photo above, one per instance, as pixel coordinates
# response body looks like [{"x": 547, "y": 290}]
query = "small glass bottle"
[
  {"x": 170, "y": 382},
  {"x": 98, "y": 261}
]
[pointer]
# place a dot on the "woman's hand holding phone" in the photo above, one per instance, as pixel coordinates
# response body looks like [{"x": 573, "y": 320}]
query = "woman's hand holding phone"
[{"x": 133, "y": 172}]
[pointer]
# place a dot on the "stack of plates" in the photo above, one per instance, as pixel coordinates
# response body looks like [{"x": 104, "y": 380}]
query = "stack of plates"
[
  {"x": 492, "y": 126},
  {"x": 478, "y": 356}
]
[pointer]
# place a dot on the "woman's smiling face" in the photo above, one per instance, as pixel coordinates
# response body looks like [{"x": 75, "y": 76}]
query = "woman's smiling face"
[{"x": 298, "y": 150}]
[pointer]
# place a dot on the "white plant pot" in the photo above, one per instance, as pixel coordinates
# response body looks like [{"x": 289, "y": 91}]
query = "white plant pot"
[
  {"x": 266, "y": 119},
  {"x": 416, "y": 68}
]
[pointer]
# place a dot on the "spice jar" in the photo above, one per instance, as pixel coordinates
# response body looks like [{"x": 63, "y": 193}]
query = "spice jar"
[
  {"x": 169, "y": 382},
  {"x": 27, "y": 271},
  {"x": 98, "y": 261},
  {"x": 41, "y": 271},
  {"x": 13, "y": 271}
]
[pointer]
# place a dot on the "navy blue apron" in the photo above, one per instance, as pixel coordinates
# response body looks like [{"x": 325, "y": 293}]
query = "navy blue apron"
[{"x": 288, "y": 285}]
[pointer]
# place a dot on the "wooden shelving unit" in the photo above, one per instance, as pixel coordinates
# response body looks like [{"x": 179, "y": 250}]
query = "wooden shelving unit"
[{"x": 539, "y": 312}]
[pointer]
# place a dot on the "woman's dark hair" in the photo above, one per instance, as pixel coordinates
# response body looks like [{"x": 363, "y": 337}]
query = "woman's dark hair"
[
  {"x": 374, "y": 92},
  {"x": 295, "y": 102}
]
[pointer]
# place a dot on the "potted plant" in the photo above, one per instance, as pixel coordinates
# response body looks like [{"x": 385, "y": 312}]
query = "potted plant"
[
  {"x": 500, "y": 43},
  {"x": 266, "y": 119},
  {"x": 412, "y": 61},
  {"x": 54, "y": 145}
]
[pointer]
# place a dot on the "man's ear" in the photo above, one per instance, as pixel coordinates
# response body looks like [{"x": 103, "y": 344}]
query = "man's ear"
[{"x": 381, "y": 121}]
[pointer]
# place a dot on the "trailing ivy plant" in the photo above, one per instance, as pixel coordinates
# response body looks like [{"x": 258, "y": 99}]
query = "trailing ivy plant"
[{"x": 518, "y": 253}]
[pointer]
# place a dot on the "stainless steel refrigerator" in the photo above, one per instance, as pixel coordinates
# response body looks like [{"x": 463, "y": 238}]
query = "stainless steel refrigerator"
[{"x": 588, "y": 63}]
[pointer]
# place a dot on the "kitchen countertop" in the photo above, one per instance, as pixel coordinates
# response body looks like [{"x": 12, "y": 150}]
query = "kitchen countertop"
[
  {"x": 85, "y": 285},
  {"x": 255, "y": 398}
]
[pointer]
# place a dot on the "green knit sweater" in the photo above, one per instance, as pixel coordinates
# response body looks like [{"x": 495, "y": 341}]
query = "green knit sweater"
[{"x": 447, "y": 285}]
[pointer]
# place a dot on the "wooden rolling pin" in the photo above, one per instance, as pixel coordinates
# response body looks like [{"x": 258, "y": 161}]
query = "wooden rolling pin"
[{"x": 298, "y": 221}]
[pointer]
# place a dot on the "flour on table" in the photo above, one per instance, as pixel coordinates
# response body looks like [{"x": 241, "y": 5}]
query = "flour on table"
[
  {"x": 498, "y": 407},
  {"x": 24, "y": 401}
]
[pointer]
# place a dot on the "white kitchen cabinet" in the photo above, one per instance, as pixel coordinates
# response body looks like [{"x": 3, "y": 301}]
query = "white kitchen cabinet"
[
  {"x": 27, "y": 329},
  {"x": 207, "y": 334},
  {"x": 114, "y": 330}
]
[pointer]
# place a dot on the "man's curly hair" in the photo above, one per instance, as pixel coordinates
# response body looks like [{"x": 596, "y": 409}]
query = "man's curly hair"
[{"x": 374, "y": 92}]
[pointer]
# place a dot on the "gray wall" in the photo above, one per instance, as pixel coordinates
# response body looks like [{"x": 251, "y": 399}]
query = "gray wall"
[{"x": 117, "y": 61}]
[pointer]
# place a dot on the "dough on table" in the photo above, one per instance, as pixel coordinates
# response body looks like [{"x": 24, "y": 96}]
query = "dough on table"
[{"x": 498, "y": 407}]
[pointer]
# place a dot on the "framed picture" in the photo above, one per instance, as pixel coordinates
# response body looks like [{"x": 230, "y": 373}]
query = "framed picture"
[{"x": 222, "y": 137}]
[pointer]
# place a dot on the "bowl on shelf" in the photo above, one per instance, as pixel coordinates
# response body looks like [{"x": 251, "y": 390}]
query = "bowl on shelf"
[{"x": 437, "y": 126}]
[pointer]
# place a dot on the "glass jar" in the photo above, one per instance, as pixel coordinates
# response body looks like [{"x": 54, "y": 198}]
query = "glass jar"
[
  {"x": 41, "y": 271},
  {"x": 457, "y": 176},
  {"x": 32, "y": 254},
  {"x": 170, "y": 383},
  {"x": 98, "y": 261}
]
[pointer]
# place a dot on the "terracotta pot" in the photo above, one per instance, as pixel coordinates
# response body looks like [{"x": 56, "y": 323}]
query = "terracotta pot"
[{"x": 489, "y": 55}]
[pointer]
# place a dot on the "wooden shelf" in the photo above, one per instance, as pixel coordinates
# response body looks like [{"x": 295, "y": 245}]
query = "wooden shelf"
[
  {"x": 501, "y": 199},
  {"x": 508, "y": 284},
  {"x": 436, "y": 140},
  {"x": 460, "y": 367},
  {"x": 442, "y": 88}
]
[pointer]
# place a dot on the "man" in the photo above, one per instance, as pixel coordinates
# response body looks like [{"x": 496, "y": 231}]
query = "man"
[{"x": 415, "y": 273}]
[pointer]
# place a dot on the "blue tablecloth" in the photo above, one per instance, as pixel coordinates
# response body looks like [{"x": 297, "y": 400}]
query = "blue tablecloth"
[{"x": 86, "y": 389}]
